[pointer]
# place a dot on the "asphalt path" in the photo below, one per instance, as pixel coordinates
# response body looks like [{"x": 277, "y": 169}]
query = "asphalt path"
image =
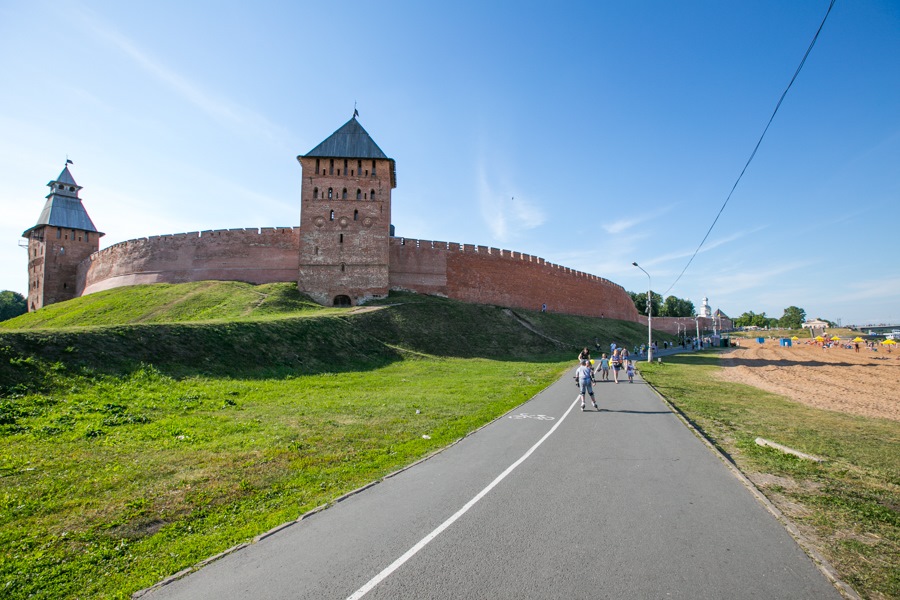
[{"x": 546, "y": 502}]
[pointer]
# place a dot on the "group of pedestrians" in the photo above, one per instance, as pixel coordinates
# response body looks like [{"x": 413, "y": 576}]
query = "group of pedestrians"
[{"x": 585, "y": 374}]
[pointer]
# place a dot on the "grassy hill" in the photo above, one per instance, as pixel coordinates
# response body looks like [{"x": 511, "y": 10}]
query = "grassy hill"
[
  {"x": 185, "y": 329},
  {"x": 146, "y": 428},
  {"x": 171, "y": 303}
]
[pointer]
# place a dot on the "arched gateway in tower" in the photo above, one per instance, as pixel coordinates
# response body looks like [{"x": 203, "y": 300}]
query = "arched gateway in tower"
[
  {"x": 345, "y": 218},
  {"x": 63, "y": 236}
]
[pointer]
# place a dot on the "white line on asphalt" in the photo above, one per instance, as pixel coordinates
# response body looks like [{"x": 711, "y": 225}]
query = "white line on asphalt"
[{"x": 440, "y": 528}]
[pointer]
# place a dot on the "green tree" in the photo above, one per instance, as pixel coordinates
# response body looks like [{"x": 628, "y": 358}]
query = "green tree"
[
  {"x": 677, "y": 307},
  {"x": 12, "y": 304},
  {"x": 793, "y": 318},
  {"x": 640, "y": 302},
  {"x": 745, "y": 319},
  {"x": 758, "y": 320}
]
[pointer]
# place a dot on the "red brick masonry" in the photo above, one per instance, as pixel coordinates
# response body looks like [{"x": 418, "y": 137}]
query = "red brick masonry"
[
  {"x": 492, "y": 276},
  {"x": 464, "y": 272},
  {"x": 256, "y": 256}
]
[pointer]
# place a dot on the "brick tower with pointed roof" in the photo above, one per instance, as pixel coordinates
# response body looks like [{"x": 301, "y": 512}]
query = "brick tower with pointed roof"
[
  {"x": 63, "y": 236},
  {"x": 345, "y": 216}
]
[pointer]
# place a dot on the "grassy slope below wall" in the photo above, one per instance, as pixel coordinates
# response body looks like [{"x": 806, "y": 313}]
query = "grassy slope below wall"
[
  {"x": 171, "y": 303},
  {"x": 275, "y": 333}
]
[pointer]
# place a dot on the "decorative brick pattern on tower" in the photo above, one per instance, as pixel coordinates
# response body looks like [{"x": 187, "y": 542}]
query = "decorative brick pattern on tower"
[
  {"x": 63, "y": 237},
  {"x": 345, "y": 219}
]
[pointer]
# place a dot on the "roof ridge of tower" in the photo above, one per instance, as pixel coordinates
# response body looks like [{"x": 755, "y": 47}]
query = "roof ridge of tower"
[{"x": 350, "y": 140}]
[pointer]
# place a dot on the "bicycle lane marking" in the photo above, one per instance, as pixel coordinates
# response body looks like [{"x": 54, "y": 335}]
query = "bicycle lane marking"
[
  {"x": 529, "y": 416},
  {"x": 384, "y": 574}
]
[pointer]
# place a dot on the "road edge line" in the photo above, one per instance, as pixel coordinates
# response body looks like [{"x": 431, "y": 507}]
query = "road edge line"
[{"x": 820, "y": 561}]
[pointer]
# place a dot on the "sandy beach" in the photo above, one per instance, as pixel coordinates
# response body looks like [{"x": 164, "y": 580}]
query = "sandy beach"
[{"x": 865, "y": 383}]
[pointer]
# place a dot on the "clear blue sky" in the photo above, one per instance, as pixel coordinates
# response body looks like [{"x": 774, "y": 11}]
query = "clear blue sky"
[{"x": 593, "y": 134}]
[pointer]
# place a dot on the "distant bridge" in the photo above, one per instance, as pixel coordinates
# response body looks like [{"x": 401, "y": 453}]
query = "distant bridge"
[{"x": 878, "y": 329}]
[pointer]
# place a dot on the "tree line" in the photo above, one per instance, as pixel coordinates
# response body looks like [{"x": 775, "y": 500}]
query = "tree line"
[
  {"x": 671, "y": 307},
  {"x": 793, "y": 316}
]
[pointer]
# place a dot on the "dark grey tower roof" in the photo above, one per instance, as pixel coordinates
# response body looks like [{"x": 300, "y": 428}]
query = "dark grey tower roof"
[
  {"x": 63, "y": 207},
  {"x": 350, "y": 141}
]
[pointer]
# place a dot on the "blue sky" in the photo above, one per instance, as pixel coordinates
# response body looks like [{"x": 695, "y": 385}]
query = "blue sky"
[{"x": 593, "y": 134}]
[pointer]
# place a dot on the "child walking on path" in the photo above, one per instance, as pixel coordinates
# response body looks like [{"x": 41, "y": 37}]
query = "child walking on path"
[
  {"x": 630, "y": 371},
  {"x": 603, "y": 368},
  {"x": 583, "y": 380}
]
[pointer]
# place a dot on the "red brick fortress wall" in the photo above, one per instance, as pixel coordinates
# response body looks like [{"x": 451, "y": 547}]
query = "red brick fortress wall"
[
  {"x": 492, "y": 276},
  {"x": 266, "y": 255}
]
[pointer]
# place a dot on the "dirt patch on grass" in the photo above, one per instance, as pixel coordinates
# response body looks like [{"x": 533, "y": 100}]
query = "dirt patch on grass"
[{"x": 860, "y": 383}]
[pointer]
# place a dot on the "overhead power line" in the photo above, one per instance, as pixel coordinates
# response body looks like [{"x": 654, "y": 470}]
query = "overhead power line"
[{"x": 752, "y": 154}]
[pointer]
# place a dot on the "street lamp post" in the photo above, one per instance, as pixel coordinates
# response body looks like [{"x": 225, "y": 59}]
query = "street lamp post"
[{"x": 649, "y": 314}]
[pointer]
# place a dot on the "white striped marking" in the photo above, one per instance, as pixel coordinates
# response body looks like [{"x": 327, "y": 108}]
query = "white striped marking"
[{"x": 440, "y": 528}]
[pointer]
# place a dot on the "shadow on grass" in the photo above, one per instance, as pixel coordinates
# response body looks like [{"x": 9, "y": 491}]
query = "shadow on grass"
[
  {"x": 638, "y": 412},
  {"x": 699, "y": 357},
  {"x": 403, "y": 327},
  {"x": 355, "y": 342}
]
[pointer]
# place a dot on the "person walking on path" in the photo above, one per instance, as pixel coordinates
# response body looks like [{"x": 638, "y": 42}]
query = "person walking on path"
[
  {"x": 583, "y": 380},
  {"x": 615, "y": 362},
  {"x": 630, "y": 371},
  {"x": 603, "y": 367}
]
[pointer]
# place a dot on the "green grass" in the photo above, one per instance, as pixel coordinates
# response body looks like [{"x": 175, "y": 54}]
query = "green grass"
[
  {"x": 171, "y": 303},
  {"x": 116, "y": 482},
  {"x": 849, "y": 505},
  {"x": 146, "y": 429}
]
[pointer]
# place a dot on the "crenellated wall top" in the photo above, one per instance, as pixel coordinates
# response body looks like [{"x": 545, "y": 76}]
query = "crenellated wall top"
[
  {"x": 239, "y": 234},
  {"x": 499, "y": 254}
]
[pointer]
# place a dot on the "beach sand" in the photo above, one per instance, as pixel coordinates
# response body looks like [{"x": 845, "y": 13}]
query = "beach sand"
[{"x": 866, "y": 383}]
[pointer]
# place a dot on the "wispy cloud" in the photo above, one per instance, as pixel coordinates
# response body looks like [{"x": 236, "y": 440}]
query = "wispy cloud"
[
  {"x": 621, "y": 225},
  {"x": 681, "y": 254},
  {"x": 505, "y": 212},
  {"x": 756, "y": 279},
  {"x": 216, "y": 107}
]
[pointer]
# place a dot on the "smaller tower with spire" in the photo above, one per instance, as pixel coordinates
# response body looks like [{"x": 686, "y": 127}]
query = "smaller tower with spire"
[{"x": 63, "y": 237}]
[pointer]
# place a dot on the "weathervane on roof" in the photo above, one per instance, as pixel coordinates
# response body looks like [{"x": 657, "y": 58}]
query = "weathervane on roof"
[
  {"x": 355, "y": 112},
  {"x": 68, "y": 162}
]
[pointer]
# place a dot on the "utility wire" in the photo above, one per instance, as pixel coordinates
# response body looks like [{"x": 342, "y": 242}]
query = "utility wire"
[{"x": 752, "y": 154}]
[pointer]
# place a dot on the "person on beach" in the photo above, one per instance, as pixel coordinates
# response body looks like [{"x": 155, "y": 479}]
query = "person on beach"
[
  {"x": 630, "y": 371},
  {"x": 583, "y": 380},
  {"x": 603, "y": 367}
]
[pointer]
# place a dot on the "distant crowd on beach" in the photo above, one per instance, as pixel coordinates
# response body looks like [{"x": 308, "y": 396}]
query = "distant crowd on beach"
[{"x": 871, "y": 345}]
